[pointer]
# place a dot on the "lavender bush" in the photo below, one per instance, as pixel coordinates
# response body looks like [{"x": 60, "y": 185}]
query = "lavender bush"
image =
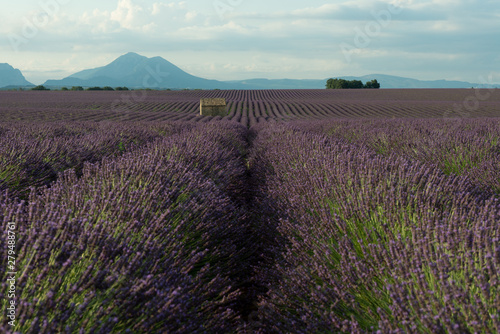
[
  {"x": 468, "y": 147},
  {"x": 375, "y": 243},
  {"x": 145, "y": 242},
  {"x": 201, "y": 225},
  {"x": 32, "y": 154}
]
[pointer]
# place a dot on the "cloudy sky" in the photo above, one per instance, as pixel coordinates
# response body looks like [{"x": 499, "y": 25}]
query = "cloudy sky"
[{"x": 242, "y": 39}]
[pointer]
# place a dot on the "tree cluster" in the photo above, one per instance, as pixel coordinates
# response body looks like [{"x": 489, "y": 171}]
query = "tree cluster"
[
  {"x": 40, "y": 87},
  {"x": 351, "y": 84},
  {"x": 80, "y": 88},
  {"x": 100, "y": 88}
]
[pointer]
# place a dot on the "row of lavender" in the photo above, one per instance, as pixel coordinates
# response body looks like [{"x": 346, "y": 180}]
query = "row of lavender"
[
  {"x": 154, "y": 240},
  {"x": 32, "y": 154},
  {"x": 469, "y": 147},
  {"x": 372, "y": 242}
]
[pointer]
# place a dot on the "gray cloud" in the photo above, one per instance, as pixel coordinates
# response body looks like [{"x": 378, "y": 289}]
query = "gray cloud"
[{"x": 428, "y": 39}]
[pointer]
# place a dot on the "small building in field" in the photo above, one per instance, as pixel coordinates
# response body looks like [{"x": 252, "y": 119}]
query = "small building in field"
[{"x": 213, "y": 107}]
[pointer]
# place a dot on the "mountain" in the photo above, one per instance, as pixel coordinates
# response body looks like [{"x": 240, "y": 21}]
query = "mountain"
[
  {"x": 386, "y": 81},
  {"x": 12, "y": 77},
  {"x": 280, "y": 83},
  {"x": 390, "y": 81},
  {"x": 135, "y": 71}
]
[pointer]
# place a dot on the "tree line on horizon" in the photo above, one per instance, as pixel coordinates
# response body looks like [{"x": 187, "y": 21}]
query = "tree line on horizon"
[
  {"x": 330, "y": 84},
  {"x": 80, "y": 88},
  {"x": 351, "y": 84}
]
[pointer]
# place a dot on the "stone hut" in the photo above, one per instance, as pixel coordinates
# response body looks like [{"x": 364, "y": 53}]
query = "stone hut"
[{"x": 213, "y": 107}]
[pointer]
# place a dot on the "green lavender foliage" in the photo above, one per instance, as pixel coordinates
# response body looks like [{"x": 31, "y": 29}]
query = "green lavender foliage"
[
  {"x": 149, "y": 241},
  {"x": 375, "y": 242}
]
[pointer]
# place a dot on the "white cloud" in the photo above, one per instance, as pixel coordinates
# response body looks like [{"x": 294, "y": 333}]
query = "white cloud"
[
  {"x": 213, "y": 32},
  {"x": 445, "y": 26},
  {"x": 190, "y": 16},
  {"x": 130, "y": 15},
  {"x": 321, "y": 11},
  {"x": 163, "y": 8},
  {"x": 98, "y": 22},
  {"x": 126, "y": 13}
]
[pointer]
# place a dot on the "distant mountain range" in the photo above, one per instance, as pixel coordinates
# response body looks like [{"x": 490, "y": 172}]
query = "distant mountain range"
[
  {"x": 135, "y": 71},
  {"x": 10, "y": 76}
]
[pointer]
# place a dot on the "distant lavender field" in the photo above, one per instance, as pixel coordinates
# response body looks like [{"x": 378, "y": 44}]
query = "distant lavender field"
[
  {"x": 300, "y": 212},
  {"x": 248, "y": 107}
]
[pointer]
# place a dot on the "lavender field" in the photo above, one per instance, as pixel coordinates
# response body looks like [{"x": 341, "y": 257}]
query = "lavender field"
[
  {"x": 318, "y": 211},
  {"x": 248, "y": 107}
]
